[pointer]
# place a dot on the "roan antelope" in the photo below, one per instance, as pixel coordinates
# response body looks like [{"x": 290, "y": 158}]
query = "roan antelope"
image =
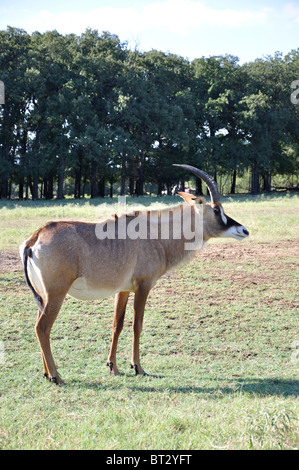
[{"x": 81, "y": 260}]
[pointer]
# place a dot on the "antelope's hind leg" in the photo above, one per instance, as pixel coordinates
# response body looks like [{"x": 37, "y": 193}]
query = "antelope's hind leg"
[
  {"x": 43, "y": 328},
  {"x": 46, "y": 371},
  {"x": 141, "y": 294},
  {"x": 120, "y": 305}
]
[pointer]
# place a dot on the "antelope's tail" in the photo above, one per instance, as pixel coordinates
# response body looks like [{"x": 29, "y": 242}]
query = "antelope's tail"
[{"x": 26, "y": 252}]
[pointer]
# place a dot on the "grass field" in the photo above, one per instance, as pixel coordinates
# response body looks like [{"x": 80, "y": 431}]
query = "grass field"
[{"x": 220, "y": 344}]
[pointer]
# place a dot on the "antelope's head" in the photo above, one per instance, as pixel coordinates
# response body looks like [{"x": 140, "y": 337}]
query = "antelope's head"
[{"x": 215, "y": 222}]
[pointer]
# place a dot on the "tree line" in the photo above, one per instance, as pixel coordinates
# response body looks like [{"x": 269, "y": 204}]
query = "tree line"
[{"x": 86, "y": 112}]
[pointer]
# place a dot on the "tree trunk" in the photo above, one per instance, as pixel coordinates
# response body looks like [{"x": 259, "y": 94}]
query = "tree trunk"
[
  {"x": 139, "y": 188},
  {"x": 48, "y": 188},
  {"x": 61, "y": 170},
  {"x": 9, "y": 188},
  {"x": 255, "y": 183},
  {"x": 78, "y": 174},
  {"x": 34, "y": 187},
  {"x": 45, "y": 187},
  {"x": 199, "y": 186},
  {"x": 215, "y": 175},
  {"x": 141, "y": 168},
  {"x": 168, "y": 188},
  {"x": 21, "y": 190},
  {"x": 267, "y": 181},
  {"x": 101, "y": 187},
  {"x": 6, "y": 146},
  {"x": 60, "y": 194},
  {"x": 4, "y": 186},
  {"x": 93, "y": 181},
  {"x": 51, "y": 187},
  {"x": 123, "y": 175},
  {"x": 77, "y": 191},
  {"x": 27, "y": 189},
  {"x": 131, "y": 185},
  {"x": 233, "y": 186},
  {"x": 160, "y": 187}
]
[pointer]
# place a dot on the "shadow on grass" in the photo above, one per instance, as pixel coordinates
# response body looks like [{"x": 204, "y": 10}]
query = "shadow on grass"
[{"x": 249, "y": 386}]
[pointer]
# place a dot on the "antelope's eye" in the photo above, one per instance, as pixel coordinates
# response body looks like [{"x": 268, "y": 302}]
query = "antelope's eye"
[{"x": 216, "y": 210}]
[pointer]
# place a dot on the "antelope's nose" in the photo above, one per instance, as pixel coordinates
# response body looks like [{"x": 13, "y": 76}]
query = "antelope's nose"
[{"x": 245, "y": 231}]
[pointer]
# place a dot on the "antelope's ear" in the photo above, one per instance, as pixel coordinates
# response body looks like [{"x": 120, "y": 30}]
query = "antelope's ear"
[
  {"x": 191, "y": 199},
  {"x": 200, "y": 200}
]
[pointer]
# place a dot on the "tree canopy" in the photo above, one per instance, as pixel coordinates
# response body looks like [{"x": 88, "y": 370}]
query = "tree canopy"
[{"x": 84, "y": 112}]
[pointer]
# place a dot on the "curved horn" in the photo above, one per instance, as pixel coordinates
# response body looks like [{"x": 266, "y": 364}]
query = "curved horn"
[{"x": 211, "y": 184}]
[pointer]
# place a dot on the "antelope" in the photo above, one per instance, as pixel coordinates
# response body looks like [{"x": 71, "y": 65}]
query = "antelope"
[{"x": 79, "y": 259}]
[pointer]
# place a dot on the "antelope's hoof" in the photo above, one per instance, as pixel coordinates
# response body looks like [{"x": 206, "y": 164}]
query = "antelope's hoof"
[
  {"x": 55, "y": 380},
  {"x": 135, "y": 367},
  {"x": 113, "y": 369}
]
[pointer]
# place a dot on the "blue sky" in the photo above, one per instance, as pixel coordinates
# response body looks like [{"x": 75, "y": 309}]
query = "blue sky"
[{"x": 191, "y": 28}]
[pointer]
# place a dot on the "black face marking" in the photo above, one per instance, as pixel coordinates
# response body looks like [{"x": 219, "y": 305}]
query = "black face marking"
[{"x": 229, "y": 221}]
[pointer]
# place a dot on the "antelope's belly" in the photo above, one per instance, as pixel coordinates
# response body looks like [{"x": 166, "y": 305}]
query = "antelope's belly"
[{"x": 82, "y": 290}]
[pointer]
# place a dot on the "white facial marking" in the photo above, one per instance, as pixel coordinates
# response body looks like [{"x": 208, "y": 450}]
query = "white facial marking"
[
  {"x": 224, "y": 219},
  {"x": 237, "y": 232}
]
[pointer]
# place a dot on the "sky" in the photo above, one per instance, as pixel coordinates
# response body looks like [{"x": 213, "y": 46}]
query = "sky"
[{"x": 248, "y": 29}]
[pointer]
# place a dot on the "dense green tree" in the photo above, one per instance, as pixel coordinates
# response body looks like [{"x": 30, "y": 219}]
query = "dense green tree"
[
  {"x": 48, "y": 142},
  {"x": 14, "y": 59},
  {"x": 87, "y": 110},
  {"x": 98, "y": 64},
  {"x": 268, "y": 117},
  {"x": 219, "y": 86}
]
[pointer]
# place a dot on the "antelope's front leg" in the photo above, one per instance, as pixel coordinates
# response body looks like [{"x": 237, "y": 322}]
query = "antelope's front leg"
[
  {"x": 121, "y": 300},
  {"x": 141, "y": 294}
]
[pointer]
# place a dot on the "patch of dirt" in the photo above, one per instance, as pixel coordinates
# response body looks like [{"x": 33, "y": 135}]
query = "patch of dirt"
[
  {"x": 10, "y": 261},
  {"x": 263, "y": 251},
  {"x": 266, "y": 267},
  {"x": 263, "y": 268}
]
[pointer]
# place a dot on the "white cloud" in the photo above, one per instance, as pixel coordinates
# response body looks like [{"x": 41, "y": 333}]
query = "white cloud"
[
  {"x": 182, "y": 15},
  {"x": 291, "y": 11},
  {"x": 103, "y": 19},
  {"x": 174, "y": 16}
]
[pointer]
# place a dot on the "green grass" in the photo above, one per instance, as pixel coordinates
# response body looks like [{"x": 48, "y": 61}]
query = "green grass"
[{"x": 217, "y": 343}]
